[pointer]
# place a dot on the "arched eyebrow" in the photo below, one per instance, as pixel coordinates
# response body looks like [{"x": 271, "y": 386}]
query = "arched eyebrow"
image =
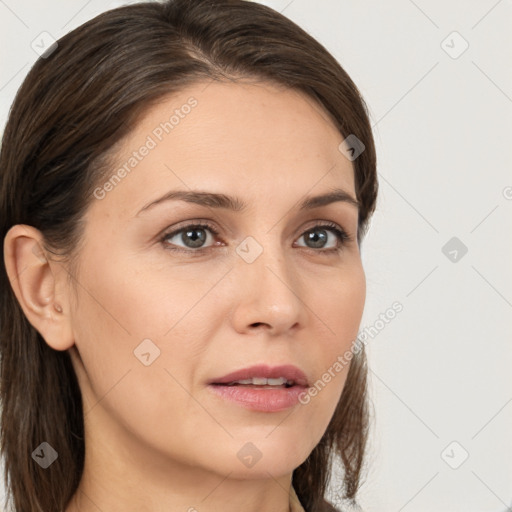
[{"x": 233, "y": 203}]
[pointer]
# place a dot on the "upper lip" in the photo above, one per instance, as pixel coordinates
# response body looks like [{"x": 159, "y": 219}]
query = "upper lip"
[{"x": 287, "y": 371}]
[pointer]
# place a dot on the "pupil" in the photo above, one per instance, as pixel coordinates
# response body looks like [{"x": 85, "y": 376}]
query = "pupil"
[
  {"x": 196, "y": 241},
  {"x": 314, "y": 236}
]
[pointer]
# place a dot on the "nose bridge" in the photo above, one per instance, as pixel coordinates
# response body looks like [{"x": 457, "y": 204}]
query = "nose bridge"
[
  {"x": 268, "y": 277},
  {"x": 264, "y": 252}
]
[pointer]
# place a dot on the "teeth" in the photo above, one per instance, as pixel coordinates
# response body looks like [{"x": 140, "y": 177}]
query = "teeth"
[
  {"x": 245, "y": 381},
  {"x": 262, "y": 381},
  {"x": 276, "y": 382}
]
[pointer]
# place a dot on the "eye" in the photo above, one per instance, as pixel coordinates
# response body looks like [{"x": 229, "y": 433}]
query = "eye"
[
  {"x": 194, "y": 236},
  {"x": 317, "y": 237}
]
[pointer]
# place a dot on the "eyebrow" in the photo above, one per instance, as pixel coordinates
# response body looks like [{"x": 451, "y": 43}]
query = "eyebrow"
[{"x": 215, "y": 200}]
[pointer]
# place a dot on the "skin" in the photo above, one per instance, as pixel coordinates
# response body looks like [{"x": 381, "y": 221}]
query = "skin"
[{"x": 156, "y": 438}]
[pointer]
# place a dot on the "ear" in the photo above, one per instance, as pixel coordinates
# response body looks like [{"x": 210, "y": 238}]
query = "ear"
[{"x": 39, "y": 284}]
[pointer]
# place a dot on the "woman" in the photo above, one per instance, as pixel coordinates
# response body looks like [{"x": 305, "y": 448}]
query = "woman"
[{"x": 185, "y": 187}]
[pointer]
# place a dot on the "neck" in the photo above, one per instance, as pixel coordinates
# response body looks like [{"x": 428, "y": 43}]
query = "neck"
[{"x": 121, "y": 476}]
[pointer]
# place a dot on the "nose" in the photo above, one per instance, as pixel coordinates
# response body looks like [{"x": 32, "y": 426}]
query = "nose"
[{"x": 269, "y": 293}]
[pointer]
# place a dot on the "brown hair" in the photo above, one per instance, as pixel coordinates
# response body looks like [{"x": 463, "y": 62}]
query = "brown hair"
[{"x": 73, "y": 107}]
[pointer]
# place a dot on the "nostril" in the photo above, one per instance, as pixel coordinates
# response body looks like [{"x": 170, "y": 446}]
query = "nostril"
[{"x": 260, "y": 324}]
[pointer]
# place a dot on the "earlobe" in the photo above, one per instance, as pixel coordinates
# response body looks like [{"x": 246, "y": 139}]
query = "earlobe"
[{"x": 36, "y": 281}]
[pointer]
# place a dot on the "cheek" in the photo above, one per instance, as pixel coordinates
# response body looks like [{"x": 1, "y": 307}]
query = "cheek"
[
  {"x": 138, "y": 318},
  {"x": 340, "y": 309},
  {"x": 118, "y": 388}
]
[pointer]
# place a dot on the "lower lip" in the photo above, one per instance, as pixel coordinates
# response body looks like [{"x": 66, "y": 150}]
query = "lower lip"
[{"x": 258, "y": 398}]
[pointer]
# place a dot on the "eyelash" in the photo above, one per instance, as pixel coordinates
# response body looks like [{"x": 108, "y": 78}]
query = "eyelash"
[{"x": 341, "y": 234}]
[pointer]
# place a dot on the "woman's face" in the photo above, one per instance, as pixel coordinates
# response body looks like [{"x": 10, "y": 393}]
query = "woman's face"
[{"x": 159, "y": 316}]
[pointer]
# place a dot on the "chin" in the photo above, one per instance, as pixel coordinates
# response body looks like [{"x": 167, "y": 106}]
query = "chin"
[{"x": 257, "y": 458}]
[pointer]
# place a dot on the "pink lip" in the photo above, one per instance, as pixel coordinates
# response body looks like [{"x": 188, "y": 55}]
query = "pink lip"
[
  {"x": 287, "y": 371},
  {"x": 257, "y": 398}
]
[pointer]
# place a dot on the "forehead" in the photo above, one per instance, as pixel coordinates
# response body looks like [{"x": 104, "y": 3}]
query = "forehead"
[{"x": 253, "y": 140}]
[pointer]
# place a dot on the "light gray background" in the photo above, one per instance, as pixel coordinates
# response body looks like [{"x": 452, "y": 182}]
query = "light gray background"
[{"x": 440, "y": 370}]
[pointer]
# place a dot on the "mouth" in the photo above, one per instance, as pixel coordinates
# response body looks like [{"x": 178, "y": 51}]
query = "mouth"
[
  {"x": 261, "y": 383},
  {"x": 264, "y": 375},
  {"x": 262, "y": 388}
]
